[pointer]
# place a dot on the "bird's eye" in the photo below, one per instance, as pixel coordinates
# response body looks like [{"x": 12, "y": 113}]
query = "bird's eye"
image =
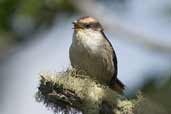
[{"x": 87, "y": 25}]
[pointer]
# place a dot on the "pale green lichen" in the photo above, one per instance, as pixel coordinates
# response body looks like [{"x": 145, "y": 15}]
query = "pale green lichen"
[
  {"x": 125, "y": 107},
  {"x": 89, "y": 91}
]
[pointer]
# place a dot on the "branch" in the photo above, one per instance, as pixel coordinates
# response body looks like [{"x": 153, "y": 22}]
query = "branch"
[
  {"x": 69, "y": 90},
  {"x": 112, "y": 23}
]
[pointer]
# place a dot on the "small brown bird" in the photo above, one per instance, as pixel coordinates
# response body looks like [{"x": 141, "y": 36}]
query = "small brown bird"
[{"x": 92, "y": 52}]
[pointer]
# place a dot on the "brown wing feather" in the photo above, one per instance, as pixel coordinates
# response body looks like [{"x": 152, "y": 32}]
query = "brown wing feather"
[{"x": 115, "y": 83}]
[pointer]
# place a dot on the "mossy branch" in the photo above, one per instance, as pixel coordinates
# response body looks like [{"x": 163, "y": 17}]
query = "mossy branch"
[{"x": 68, "y": 90}]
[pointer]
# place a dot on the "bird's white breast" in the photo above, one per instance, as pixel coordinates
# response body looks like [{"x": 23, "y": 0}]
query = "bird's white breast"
[{"x": 88, "y": 39}]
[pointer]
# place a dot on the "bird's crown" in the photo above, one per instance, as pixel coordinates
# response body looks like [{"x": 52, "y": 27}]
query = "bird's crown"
[
  {"x": 87, "y": 19},
  {"x": 87, "y": 22}
]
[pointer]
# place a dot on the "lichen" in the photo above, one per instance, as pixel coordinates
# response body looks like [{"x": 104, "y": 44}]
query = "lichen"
[{"x": 84, "y": 94}]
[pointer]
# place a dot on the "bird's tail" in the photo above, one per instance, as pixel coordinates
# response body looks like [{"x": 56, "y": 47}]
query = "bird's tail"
[{"x": 118, "y": 86}]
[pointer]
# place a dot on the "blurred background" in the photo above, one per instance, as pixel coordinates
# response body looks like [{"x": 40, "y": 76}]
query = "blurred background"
[{"x": 35, "y": 36}]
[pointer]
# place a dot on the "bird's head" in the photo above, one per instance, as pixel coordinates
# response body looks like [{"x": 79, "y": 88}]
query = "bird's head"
[{"x": 87, "y": 23}]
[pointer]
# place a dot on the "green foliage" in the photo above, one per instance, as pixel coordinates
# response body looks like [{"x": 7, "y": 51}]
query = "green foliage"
[
  {"x": 7, "y": 9},
  {"x": 41, "y": 12},
  {"x": 159, "y": 93}
]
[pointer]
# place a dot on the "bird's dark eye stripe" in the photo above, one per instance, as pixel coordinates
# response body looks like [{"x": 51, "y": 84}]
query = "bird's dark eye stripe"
[{"x": 91, "y": 25}]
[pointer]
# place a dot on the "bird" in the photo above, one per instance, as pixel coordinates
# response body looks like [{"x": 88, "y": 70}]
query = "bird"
[{"x": 92, "y": 52}]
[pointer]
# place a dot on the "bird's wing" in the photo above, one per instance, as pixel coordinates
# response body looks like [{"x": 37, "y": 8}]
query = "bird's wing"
[
  {"x": 114, "y": 57},
  {"x": 114, "y": 83}
]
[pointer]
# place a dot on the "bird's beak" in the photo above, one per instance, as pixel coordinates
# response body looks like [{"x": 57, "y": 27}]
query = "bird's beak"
[
  {"x": 75, "y": 22},
  {"x": 76, "y": 25}
]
